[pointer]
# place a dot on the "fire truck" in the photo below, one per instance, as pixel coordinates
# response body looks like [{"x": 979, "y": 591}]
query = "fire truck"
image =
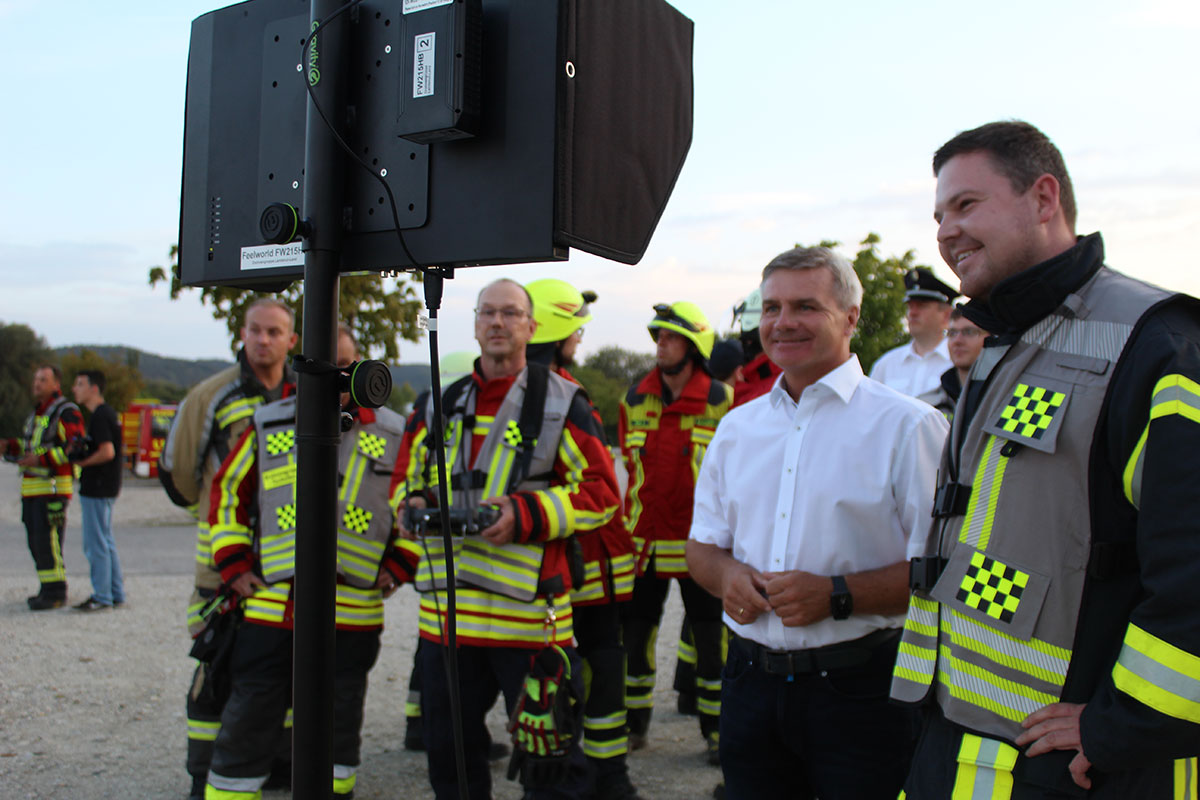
[{"x": 144, "y": 426}]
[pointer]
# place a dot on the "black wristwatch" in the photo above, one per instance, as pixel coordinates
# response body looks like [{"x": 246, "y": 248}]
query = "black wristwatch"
[{"x": 841, "y": 602}]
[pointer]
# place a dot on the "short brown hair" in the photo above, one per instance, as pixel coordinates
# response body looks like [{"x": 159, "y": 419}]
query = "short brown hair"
[{"x": 1020, "y": 152}]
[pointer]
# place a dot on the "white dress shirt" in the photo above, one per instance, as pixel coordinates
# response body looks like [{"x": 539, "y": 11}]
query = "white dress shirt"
[
  {"x": 841, "y": 482},
  {"x": 908, "y": 373}
]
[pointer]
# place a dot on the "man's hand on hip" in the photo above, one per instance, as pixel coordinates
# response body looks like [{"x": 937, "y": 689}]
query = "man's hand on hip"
[
  {"x": 1056, "y": 727},
  {"x": 799, "y": 598}
]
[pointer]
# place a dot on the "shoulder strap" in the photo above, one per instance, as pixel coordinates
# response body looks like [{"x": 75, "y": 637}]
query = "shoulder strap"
[{"x": 533, "y": 410}]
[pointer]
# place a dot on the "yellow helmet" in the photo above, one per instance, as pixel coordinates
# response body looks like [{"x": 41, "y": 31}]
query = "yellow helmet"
[
  {"x": 688, "y": 321},
  {"x": 559, "y": 309}
]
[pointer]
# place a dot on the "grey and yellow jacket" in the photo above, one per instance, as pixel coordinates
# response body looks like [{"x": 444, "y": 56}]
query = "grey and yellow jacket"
[
  {"x": 1067, "y": 529},
  {"x": 253, "y": 514}
]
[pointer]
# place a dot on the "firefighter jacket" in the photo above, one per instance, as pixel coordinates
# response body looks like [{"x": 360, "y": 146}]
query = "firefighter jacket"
[
  {"x": 259, "y": 479},
  {"x": 607, "y": 553},
  {"x": 46, "y": 434},
  {"x": 558, "y": 479},
  {"x": 760, "y": 375},
  {"x": 1067, "y": 521},
  {"x": 663, "y": 449},
  {"x": 210, "y": 420}
]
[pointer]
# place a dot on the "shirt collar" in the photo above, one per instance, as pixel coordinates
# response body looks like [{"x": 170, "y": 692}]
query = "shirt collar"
[{"x": 841, "y": 380}]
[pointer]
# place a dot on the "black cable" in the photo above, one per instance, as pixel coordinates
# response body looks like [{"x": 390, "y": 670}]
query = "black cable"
[
  {"x": 433, "y": 278},
  {"x": 434, "y": 283},
  {"x": 342, "y": 142}
]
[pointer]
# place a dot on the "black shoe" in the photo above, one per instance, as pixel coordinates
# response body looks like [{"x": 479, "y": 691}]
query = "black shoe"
[
  {"x": 712, "y": 749},
  {"x": 686, "y": 704},
  {"x": 118, "y": 603},
  {"x": 616, "y": 787},
  {"x": 40, "y": 603},
  {"x": 497, "y": 751},
  {"x": 719, "y": 791},
  {"x": 280, "y": 777},
  {"x": 198, "y": 784},
  {"x": 414, "y": 738},
  {"x": 92, "y": 604}
]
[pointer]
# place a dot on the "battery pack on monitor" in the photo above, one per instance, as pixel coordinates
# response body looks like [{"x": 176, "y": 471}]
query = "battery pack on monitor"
[{"x": 441, "y": 52}]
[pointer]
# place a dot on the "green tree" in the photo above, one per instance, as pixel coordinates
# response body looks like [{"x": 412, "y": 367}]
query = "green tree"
[
  {"x": 22, "y": 351},
  {"x": 881, "y": 320},
  {"x": 605, "y": 393},
  {"x": 622, "y": 365},
  {"x": 381, "y": 311},
  {"x": 123, "y": 381}
]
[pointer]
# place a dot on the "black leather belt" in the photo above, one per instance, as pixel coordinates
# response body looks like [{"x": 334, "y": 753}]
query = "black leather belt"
[{"x": 830, "y": 658}]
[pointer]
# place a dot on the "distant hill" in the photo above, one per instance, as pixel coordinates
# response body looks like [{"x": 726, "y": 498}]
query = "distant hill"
[
  {"x": 177, "y": 371},
  {"x": 186, "y": 373}
]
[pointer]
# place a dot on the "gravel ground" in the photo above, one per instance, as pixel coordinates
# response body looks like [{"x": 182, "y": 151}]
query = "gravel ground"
[{"x": 91, "y": 705}]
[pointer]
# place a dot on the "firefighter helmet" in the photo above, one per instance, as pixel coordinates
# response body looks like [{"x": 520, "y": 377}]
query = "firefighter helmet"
[
  {"x": 749, "y": 311},
  {"x": 559, "y": 309},
  {"x": 688, "y": 321}
]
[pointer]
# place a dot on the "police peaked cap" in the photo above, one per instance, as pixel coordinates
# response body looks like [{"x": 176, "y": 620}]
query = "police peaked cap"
[{"x": 921, "y": 284}]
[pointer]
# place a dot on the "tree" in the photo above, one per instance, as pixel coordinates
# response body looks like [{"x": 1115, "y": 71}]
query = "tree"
[
  {"x": 881, "y": 319},
  {"x": 381, "y": 311},
  {"x": 22, "y": 351},
  {"x": 622, "y": 365},
  {"x": 605, "y": 392},
  {"x": 123, "y": 381}
]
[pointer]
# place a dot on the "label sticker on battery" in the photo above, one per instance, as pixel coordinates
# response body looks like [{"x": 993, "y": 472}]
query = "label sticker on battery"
[
  {"x": 413, "y": 6},
  {"x": 268, "y": 256},
  {"x": 424, "y": 48}
]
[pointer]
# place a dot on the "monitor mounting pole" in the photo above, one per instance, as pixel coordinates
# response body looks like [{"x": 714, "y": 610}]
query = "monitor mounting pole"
[{"x": 317, "y": 419}]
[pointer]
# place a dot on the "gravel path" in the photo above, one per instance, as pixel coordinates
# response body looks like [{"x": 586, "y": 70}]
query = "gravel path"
[{"x": 91, "y": 705}]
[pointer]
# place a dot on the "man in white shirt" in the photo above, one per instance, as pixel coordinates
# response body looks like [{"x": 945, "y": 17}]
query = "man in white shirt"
[
  {"x": 810, "y": 500},
  {"x": 916, "y": 368}
]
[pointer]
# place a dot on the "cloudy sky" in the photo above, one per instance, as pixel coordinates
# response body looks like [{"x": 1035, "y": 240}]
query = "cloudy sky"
[{"x": 813, "y": 121}]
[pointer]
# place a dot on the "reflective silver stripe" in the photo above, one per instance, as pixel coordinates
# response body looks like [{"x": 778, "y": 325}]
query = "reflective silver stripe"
[
  {"x": 1185, "y": 688},
  {"x": 1051, "y": 666},
  {"x": 1081, "y": 337},
  {"x": 981, "y": 506},
  {"x": 248, "y": 785},
  {"x": 999, "y": 695}
]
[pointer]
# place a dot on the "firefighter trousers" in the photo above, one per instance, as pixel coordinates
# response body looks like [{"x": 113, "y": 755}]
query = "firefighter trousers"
[
  {"x": 46, "y": 544},
  {"x": 642, "y": 616},
  {"x": 258, "y": 702},
  {"x": 605, "y": 737}
]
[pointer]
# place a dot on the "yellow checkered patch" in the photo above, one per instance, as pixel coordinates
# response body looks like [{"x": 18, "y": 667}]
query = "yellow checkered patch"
[
  {"x": 1030, "y": 411},
  {"x": 370, "y": 445},
  {"x": 512, "y": 434},
  {"x": 286, "y": 516},
  {"x": 280, "y": 442},
  {"x": 357, "y": 519},
  {"x": 992, "y": 587}
]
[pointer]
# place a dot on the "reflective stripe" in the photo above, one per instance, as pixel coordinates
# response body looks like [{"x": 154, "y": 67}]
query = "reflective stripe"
[
  {"x": 1037, "y": 659},
  {"x": 1185, "y": 779},
  {"x": 977, "y": 686},
  {"x": 486, "y": 617},
  {"x": 984, "y": 769},
  {"x": 344, "y": 778},
  {"x": 201, "y": 730},
  {"x": 637, "y": 479},
  {"x": 237, "y": 410},
  {"x": 670, "y": 556},
  {"x": 1081, "y": 337},
  {"x": 1172, "y": 395},
  {"x": 221, "y": 787},
  {"x": 916, "y": 660},
  {"x": 981, "y": 508},
  {"x": 1159, "y": 674},
  {"x": 204, "y": 545},
  {"x": 686, "y": 652}
]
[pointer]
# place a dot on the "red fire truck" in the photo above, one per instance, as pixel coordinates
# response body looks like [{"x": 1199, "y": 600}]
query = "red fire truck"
[{"x": 144, "y": 426}]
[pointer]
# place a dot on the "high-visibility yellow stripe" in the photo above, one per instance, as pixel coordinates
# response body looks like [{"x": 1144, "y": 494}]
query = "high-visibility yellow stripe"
[
  {"x": 238, "y": 467},
  {"x": 981, "y": 508},
  {"x": 984, "y": 769},
  {"x": 201, "y": 730},
  {"x": 1158, "y": 674},
  {"x": 637, "y": 479},
  {"x": 1035, "y": 658},
  {"x": 987, "y": 690},
  {"x": 1185, "y": 779}
]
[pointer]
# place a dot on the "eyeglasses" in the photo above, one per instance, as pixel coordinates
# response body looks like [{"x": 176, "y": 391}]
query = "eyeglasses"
[
  {"x": 970, "y": 333},
  {"x": 509, "y": 313}
]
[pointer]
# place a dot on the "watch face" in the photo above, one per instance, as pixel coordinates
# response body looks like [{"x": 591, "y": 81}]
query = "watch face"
[{"x": 841, "y": 602}]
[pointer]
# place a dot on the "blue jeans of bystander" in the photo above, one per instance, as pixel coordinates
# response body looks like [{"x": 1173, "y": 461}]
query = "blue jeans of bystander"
[{"x": 100, "y": 547}]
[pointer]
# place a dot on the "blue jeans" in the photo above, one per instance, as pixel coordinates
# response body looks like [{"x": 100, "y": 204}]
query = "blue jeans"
[
  {"x": 829, "y": 734},
  {"x": 101, "y": 549}
]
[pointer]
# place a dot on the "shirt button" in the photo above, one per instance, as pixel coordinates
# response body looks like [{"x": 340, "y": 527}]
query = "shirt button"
[{"x": 783, "y": 515}]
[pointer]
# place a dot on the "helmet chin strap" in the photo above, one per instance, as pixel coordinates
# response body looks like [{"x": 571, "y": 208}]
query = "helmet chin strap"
[{"x": 676, "y": 368}]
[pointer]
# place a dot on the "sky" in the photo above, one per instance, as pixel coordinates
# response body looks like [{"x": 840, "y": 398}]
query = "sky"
[{"x": 812, "y": 122}]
